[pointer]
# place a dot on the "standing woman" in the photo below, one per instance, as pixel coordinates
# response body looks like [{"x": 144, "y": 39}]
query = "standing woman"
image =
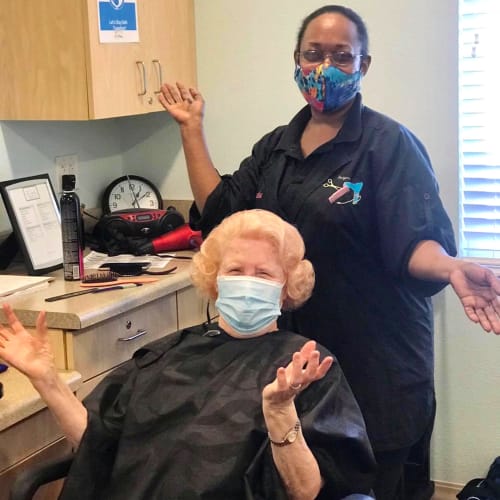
[{"x": 362, "y": 192}]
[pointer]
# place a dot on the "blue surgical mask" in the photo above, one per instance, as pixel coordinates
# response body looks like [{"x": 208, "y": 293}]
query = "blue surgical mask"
[
  {"x": 327, "y": 88},
  {"x": 248, "y": 304}
]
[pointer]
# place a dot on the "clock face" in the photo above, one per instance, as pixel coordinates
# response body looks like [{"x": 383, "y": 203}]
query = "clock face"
[{"x": 131, "y": 191}]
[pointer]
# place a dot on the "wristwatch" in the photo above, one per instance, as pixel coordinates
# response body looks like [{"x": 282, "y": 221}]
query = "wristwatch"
[{"x": 289, "y": 437}]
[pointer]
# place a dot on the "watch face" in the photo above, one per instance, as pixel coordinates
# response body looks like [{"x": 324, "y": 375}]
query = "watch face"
[
  {"x": 131, "y": 191},
  {"x": 292, "y": 436}
]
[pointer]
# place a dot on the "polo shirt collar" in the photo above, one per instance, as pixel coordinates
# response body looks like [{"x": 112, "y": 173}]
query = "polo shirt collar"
[{"x": 350, "y": 131}]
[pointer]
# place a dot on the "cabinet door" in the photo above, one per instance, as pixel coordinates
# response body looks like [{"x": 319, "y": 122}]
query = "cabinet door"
[
  {"x": 42, "y": 60},
  {"x": 171, "y": 44},
  {"x": 126, "y": 77},
  {"x": 114, "y": 72},
  {"x": 192, "y": 308},
  {"x": 55, "y": 68},
  {"x": 26, "y": 437}
]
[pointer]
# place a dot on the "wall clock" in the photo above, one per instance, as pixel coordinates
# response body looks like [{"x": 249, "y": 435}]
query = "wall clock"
[{"x": 131, "y": 191}]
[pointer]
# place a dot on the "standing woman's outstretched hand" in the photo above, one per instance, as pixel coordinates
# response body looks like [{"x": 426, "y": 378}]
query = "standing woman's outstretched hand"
[
  {"x": 478, "y": 289},
  {"x": 185, "y": 105},
  {"x": 30, "y": 353}
]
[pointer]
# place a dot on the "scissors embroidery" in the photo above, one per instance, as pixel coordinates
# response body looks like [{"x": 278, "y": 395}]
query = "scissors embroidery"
[
  {"x": 329, "y": 184},
  {"x": 347, "y": 186}
]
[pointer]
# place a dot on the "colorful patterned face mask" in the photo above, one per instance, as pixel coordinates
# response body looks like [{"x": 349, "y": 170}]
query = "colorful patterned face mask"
[{"x": 327, "y": 88}]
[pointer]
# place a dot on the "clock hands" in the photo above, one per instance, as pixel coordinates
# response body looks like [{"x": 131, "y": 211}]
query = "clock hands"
[
  {"x": 144, "y": 195},
  {"x": 135, "y": 200}
]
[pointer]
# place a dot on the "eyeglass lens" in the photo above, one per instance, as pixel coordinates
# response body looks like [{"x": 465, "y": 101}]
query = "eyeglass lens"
[{"x": 341, "y": 58}]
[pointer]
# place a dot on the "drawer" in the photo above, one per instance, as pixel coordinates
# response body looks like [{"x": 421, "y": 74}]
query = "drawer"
[
  {"x": 27, "y": 437},
  {"x": 192, "y": 308},
  {"x": 89, "y": 385},
  {"x": 94, "y": 350},
  {"x": 47, "y": 492}
]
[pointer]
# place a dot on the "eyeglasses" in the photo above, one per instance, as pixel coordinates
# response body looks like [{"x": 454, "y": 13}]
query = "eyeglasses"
[{"x": 340, "y": 58}]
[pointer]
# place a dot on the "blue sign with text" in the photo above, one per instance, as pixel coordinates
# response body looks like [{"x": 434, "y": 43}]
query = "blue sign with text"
[{"x": 117, "y": 15}]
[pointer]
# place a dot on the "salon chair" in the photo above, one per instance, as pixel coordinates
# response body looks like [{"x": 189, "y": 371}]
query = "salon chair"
[{"x": 28, "y": 481}]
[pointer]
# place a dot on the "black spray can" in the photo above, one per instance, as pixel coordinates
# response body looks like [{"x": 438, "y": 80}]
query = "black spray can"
[{"x": 72, "y": 230}]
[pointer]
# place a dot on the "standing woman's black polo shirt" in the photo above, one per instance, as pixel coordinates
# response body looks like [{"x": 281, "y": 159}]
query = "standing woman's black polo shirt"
[{"x": 362, "y": 202}]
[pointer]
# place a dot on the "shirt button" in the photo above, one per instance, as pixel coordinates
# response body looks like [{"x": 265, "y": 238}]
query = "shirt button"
[{"x": 427, "y": 196}]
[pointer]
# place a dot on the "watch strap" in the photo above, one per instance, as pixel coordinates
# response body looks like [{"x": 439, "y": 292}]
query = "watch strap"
[{"x": 289, "y": 437}]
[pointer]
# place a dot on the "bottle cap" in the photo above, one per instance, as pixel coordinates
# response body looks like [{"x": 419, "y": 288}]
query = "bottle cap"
[{"x": 68, "y": 182}]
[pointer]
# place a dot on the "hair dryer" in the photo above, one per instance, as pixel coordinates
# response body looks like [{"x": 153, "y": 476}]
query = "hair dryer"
[{"x": 181, "y": 238}]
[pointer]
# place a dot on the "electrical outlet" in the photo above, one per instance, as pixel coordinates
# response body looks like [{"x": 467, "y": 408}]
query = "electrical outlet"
[{"x": 65, "y": 165}]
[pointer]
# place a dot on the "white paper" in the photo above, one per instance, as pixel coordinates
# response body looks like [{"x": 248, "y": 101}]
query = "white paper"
[
  {"x": 11, "y": 284},
  {"x": 94, "y": 260},
  {"x": 38, "y": 219}
]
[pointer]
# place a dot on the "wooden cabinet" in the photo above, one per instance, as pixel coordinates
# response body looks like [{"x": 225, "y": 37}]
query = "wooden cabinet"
[
  {"x": 55, "y": 68},
  {"x": 192, "y": 308},
  {"x": 53, "y": 451},
  {"x": 95, "y": 351},
  {"x": 29, "y": 434}
]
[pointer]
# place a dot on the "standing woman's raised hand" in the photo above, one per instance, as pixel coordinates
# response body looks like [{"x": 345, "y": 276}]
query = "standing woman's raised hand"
[
  {"x": 185, "y": 105},
  {"x": 30, "y": 353}
]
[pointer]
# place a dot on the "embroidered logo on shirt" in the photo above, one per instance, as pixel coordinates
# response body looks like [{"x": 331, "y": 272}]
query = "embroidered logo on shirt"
[
  {"x": 259, "y": 195},
  {"x": 348, "y": 192}
]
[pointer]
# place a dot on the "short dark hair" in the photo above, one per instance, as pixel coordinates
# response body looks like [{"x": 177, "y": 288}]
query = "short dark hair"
[{"x": 346, "y": 12}]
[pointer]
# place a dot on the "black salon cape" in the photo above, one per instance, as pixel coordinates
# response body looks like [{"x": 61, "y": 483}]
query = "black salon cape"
[{"x": 183, "y": 420}]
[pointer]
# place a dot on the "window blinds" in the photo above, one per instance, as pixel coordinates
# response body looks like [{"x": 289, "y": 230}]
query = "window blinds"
[{"x": 479, "y": 111}]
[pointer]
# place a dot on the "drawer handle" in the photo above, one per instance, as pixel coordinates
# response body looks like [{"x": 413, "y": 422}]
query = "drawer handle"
[{"x": 137, "y": 334}]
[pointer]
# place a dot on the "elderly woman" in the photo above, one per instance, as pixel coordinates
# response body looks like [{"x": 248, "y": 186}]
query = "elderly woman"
[{"x": 232, "y": 410}]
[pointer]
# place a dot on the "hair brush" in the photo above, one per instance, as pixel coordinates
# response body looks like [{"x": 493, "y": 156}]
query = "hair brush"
[{"x": 106, "y": 278}]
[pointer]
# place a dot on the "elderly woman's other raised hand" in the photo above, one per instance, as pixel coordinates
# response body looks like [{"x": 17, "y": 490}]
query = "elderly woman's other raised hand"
[{"x": 30, "y": 353}]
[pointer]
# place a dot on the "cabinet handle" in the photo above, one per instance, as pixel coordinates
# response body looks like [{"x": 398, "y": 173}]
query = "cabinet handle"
[
  {"x": 157, "y": 65},
  {"x": 140, "y": 65},
  {"x": 137, "y": 334}
]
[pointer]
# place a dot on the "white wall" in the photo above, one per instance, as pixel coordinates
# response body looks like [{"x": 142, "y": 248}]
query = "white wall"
[
  {"x": 29, "y": 148},
  {"x": 246, "y": 75},
  {"x": 106, "y": 149}
]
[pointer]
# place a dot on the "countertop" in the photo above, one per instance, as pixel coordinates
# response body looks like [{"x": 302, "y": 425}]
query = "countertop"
[
  {"x": 87, "y": 310},
  {"x": 21, "y": 400}
]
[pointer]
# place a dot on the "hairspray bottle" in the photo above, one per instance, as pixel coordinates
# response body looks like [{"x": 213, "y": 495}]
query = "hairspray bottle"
[{"x": 72, "y": 230}]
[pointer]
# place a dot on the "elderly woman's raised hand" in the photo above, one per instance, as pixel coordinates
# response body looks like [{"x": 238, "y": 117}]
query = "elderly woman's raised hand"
[
  {"x": 30, "y": 353},
  {"x": 185, "y": 105},
  {"x": 303, "y": 370}
]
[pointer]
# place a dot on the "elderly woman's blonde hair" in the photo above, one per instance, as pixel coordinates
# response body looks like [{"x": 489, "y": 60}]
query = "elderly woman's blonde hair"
[{"x": 256, "y": 224}]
